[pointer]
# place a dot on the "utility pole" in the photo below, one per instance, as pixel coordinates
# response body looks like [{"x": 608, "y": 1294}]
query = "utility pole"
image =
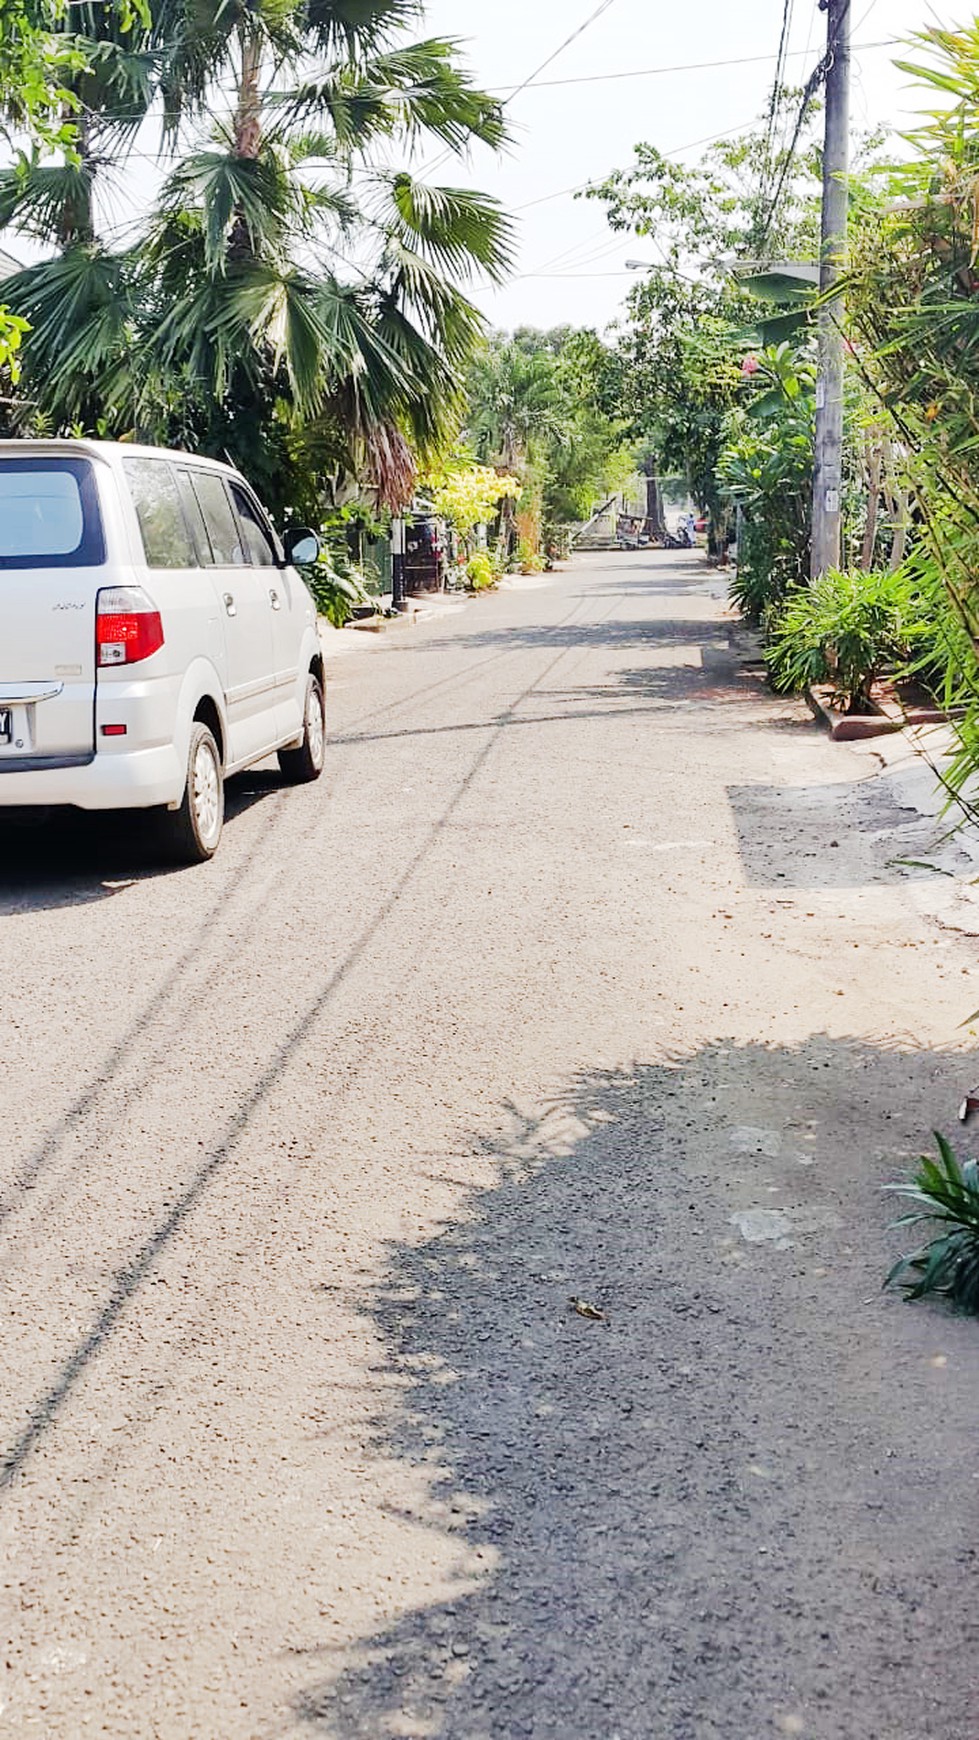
[{"x": 828, "y": 471}]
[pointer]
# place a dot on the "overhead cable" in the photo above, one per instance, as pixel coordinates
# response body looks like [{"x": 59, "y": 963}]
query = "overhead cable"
[
  {"x": 812, "y": 85},
  {"x": 777, "y": 85}
]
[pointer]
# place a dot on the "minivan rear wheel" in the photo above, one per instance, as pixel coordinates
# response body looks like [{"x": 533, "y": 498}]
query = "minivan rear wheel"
[
  {"x": 301, "y": 766},
  {"x": 191, "y": 833}
]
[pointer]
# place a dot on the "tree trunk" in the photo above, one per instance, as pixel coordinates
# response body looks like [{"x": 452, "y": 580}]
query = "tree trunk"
[
  {"x": 508, "y": 509},
  {"x": 247, "y": 135},
  {"x": 654, "y": 505},
  {"x": 248, "y": 112},
  {"x": 76, "y": 224}
]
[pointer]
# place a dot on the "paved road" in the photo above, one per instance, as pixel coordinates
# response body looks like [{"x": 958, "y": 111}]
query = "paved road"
[{"x": 584, "y": 973}]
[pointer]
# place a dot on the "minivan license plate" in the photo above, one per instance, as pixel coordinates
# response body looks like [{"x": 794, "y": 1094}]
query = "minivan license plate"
[{"x": 5, "y": 724}]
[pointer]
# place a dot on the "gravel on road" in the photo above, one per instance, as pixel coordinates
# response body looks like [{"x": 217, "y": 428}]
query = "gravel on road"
[{"x": 588, "y": 973}]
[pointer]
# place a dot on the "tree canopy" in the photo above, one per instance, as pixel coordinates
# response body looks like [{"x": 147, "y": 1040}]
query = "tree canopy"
[{"x": 296, "y": 299}]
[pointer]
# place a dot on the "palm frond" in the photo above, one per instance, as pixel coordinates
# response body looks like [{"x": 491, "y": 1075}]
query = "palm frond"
[
  {"x": 357, "y": 28},
  {"x": 452, "y": 322},
  {"x": 411, "y": 90},
  {"x": 117, "y": 86},
  {"x": 355, "y": 110},
  {"x": 248, "y": 200},
  {"x": 52, "y": 201},
  {"x": 463, "y": 230},
  {"x": 82, "y": 308},
  {"x": 434, "y": 94}
]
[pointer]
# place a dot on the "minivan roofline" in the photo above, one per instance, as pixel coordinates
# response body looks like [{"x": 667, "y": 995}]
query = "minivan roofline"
[{"x": 105, "y": 451}]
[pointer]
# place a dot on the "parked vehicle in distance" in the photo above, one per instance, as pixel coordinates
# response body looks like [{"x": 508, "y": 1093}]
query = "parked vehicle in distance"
[{"x": 154, "y": 636}]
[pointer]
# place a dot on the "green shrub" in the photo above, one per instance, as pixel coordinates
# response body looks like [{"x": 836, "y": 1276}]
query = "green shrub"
[
  {"x": 762, "y": 578},
  {"x": 945, "y": 1193},
  {"x": 843, "y": 629},
  {"x": 529, "y": 558},
  {"x": 765, "y": 468},
  {"x": 336, "y": 594},
  {"x": 480, "y": 573}
]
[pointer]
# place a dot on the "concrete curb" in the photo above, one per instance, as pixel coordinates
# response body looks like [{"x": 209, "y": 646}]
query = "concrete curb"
[
  {"x": 846, "y": 727},
  {"x": 887, "y": 716},
  {"x": 380, "y": 622}
]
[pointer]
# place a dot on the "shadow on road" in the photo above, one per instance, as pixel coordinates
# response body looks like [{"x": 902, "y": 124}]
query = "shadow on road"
[
  {"x": 732, "y": 1510},
  {"x": 612, "y": 634},
  {"x": 66, "y": 857}
]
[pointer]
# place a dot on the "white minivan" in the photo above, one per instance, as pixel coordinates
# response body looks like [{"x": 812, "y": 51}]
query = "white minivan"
[{"x": 154, "y": 636}]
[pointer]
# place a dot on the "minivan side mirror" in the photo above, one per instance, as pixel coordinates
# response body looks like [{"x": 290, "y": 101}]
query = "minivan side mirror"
[{"x": 302, "y": 545}]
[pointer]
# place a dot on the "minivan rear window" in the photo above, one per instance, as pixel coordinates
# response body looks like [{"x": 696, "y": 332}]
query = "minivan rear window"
[{"x": 49, "y": 514}]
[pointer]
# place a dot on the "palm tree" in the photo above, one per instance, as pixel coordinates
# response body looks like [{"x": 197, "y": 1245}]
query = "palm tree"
[
  {"x": 255, "y": 333},
  {"x": 81, "y": 304},
  {"x": 518, "y": 406},
  {"x": 517, "y": 401},
  {"x": 254, "y": 228}
]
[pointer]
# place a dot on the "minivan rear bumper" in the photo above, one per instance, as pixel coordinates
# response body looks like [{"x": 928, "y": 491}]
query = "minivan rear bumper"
[{"x": 136, "y": 780}]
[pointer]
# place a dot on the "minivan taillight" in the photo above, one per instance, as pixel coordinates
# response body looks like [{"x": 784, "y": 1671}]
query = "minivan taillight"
[{"x": 128, "y": 626}]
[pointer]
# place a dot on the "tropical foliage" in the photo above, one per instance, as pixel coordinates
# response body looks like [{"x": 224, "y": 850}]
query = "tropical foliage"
[
  {"x": 843, "y": 629},
  {"x": 543, "y": 407},
  {"x": 40, "y": 56},
  {"x": 765, "y": 467},
  {"x": 945, "y": 1197},
  {"x": 296, "y": 299},
  {"x": 690, "y": 319},
  {"x": 466, "y": 494},
  {"x": 913, "y": 304}
]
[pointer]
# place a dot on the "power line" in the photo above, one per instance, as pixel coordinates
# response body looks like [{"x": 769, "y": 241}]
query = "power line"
[
  {"x": 674, "y": 151},
  {"x": 590, "y": 20},
  {"x": 649, "y": 72},
  {"x": 813, "y": 83},
  {"x": 777, "y": 84},
  {"x": 583, "y": 187},
  {"x": 642, "y": 72},
  {"x": 534, "y": 76}
]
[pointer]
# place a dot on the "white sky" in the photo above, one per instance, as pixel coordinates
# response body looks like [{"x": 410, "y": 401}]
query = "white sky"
[{"x": 571, "y": 265}]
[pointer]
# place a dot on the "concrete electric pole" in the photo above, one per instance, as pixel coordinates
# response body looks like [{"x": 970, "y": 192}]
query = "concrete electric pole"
[{"x": 827, "y": 476}]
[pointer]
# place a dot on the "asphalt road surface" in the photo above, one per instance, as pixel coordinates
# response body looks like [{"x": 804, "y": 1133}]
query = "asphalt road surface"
[{"x": 586, "y": 973}]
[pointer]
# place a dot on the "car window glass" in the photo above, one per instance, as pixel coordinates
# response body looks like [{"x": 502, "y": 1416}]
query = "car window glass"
[
  {"x": 222, "y": 527},
  {"x": 192, "y": 514},
  {"x": 257, "y": 541},
  {"x": 49, "y": 514},
  {"x": 40, "y": 512},
  {"x": 166, "y": 539}
]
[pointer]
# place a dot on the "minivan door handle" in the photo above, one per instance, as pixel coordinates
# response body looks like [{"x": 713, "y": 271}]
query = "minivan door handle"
[
  {"x": 229, "y": 604},
  {"x": 276, "y": 600}
]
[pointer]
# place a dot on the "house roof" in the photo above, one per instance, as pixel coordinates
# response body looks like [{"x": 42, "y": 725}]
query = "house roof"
[{"x": 8, "y": 265}]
